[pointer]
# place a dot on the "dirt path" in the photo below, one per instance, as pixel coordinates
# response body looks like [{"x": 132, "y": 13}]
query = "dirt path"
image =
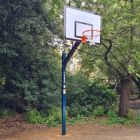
[
  {"x": 79, "y": 132},
  {"x": 16, "y": 128}
]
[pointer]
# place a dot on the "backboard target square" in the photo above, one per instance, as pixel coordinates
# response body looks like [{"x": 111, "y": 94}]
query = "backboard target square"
[{"x": 80, "y": 27}]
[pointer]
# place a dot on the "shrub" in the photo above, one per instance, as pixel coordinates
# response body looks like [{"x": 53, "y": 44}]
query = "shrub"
[
  {"x": 131, "y": 115},
  {"x": 74, "y": 120},
  {"x": 118, "y": 120},
  {"x": 138, "y": 119},
  {"x": 99, "y": 111},
  {"x": 76, "y": 109},
  {"x": 84, "y": 101},
  {"x": 54, "y": 117},
  {"x": 101, "y": 94},
  {"x": 111, "y": 114},
  {"x": 35, "y": 117},
  {"x": 6, "y": 112},
  {"x": 114, "y": 119}
]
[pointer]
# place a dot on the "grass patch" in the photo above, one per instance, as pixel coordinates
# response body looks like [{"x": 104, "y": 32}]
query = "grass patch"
[
  {"x": 131, "y": 119},
  {"x": 36, "y": 117},
  {"x": 107, "y": 120},
  {"x": 118, "y": 120},
  {"x": 78, "y": 119},
  {"x": 114, "y": 119}
]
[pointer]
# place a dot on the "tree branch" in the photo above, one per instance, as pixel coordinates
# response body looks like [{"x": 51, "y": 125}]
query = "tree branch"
[{"x": 106, "y": 55}]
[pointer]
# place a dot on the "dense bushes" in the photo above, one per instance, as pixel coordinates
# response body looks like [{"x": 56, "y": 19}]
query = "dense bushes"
[
  {"x": 29, "y": 69},
  {"x": 83, "y": 99},
  {"x": 35, "y": 117}
]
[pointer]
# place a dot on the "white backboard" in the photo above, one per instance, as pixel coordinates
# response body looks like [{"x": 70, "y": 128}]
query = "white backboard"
[{"x": 77, "y": 21}]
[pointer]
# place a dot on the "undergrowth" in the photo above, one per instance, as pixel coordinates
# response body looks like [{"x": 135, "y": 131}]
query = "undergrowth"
[
  {"x": 6, "y": 112},
  {"x": 97, "y": 117},
  {"x": 36, "y": 117}
]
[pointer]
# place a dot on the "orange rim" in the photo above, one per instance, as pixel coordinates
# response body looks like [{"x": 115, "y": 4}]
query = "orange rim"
[{"x": 85, "y": 37}]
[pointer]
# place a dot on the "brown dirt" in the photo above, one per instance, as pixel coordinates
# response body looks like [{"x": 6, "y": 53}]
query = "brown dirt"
[
  {"x": 16, "y": 129},
  {"x": 14, "y": 125}
]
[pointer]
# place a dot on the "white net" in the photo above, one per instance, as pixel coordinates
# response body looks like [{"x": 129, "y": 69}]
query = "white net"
[{"x": 91, "y": 41}]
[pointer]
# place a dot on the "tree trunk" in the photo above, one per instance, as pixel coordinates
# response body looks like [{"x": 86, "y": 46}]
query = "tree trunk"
[{"x": 125, "y": 85}]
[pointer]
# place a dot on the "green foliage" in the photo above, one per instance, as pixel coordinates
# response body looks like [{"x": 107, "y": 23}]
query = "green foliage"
[
  {"x": 74, "y": 120},
  {"x": 76, "y": 109},
  {"x": 99, "y": 111},
  {"x": 131, "y": 115},
  {"x": 114, "y": 119},
  {"x": 54, "y": 117},
  {"x": 6, "y": 112},
  {"x": 138, "y": 120},
  {"x": 118, "y": 120},
  {"x": 111, "y": 114},
  {"x": 120, "y": 20},
  {"x": 101, "y": 94},
  {"x": 132, "y": 118},
  {"x": 83, "y": 99},
  {"x": 29, "y": 64},
  {"x": 35, "y": 117}
]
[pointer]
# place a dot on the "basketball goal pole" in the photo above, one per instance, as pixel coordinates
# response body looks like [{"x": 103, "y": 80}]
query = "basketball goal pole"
[{"x": 65, "y": 60}]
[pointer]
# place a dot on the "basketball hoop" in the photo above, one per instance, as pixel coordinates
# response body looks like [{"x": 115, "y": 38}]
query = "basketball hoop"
[{"x": 90, "y": 36}]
